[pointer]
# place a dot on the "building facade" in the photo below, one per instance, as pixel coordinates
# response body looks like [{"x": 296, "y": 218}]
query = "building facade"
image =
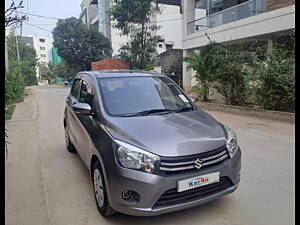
[
  {"x": 233, "y": 21},
  {"x": 43, "y": 47},
  {"x": 168, "y": 21}
]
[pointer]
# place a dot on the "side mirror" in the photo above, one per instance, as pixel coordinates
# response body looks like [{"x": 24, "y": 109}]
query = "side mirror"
[
  {"x": 193, "y": 99},
  {"x": 82, "y": 109}
]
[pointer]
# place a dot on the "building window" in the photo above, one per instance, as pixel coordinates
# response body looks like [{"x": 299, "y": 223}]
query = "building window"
[
  {"x": 42, "y": 40},
  {"x": 160, "y": 45},
  {"x": 169, "y": 47},
  {"x": 43, "y": 55},
  {"x": 42, "y": 48}
]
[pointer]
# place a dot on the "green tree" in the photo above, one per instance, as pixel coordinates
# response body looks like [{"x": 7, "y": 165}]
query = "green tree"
[
  {"x": 204, "y": 62},
  {"x": 274, "y": 77},
  {"x": 231, "y": 75},
  {"x": 139, "y": 53},
  {"x": 45, "y": 73},
  {"x": 63, "y": 70},
  {"x": 78, "y": 45},
  {"x": 132, "y": 17},
  {"x": 14, "y": 84},
  {"x": 28, "y": 58}
]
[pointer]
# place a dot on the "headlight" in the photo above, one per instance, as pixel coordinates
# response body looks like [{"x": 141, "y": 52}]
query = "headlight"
[
  {"x": 132, "y": 157},
  {"x": 231, "y": 141}
]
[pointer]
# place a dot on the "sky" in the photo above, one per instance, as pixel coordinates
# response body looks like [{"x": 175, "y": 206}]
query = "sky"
[{"x": 51, "y": 8}]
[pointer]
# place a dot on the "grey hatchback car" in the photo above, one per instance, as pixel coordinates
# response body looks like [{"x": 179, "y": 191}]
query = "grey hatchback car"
[{"x": 148, "y": 147}]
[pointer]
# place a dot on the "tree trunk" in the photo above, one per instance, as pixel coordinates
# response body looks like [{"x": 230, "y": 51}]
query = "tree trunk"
[
  {"x": 142, "y": 45},
  {"x": 204, "y": 91}
]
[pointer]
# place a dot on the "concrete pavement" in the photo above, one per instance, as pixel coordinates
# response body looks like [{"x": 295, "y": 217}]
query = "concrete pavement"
[{"x": 44, "y": 184}]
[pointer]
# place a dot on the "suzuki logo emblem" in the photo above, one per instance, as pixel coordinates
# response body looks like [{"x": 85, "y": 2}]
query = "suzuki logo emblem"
[{"x": 198, "y": 163}]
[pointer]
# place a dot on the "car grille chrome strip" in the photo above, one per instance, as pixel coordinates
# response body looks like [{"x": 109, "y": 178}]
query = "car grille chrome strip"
[
  {"x": 176, "y": 168},
  {"x": 179, "y": 164},
  {"x": 214, "y": 156},
  {"x": 215, "y": 161}
]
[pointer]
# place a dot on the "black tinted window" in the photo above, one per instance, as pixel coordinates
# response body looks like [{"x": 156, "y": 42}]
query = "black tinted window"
[
  {"x": 86, "y": 95},
  {"x": 76, "y": 89}
]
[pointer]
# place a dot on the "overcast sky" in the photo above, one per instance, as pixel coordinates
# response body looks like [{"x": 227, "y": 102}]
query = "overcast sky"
[{"x": 50, "y": 8}]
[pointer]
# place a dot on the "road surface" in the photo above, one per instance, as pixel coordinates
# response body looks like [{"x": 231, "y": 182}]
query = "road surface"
[{"x": 44, "y": 184}]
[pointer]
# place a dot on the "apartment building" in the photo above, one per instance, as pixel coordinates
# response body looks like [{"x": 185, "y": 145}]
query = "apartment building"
[
  {"x": 96, "y": 13},
  {"x": 168, "y": 20},
  {"x": 43, "y": 47},
  {"x": 233, "y": 21}
]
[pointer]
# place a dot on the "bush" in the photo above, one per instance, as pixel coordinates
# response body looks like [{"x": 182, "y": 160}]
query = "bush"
[
  {"x": 14, "y": 86},
  {"x": 204, "y": 63},
  {"x": 231, "y": 75},
  {"x": 28, "y": 58},
  {"x": 275, "y": 78}
]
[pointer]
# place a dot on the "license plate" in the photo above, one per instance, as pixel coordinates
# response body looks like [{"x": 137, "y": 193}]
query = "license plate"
[{"x": 202, "y": 180}]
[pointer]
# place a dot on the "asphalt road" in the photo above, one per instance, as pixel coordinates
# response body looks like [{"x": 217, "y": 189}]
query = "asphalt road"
[{"x": 44, "y": 184}]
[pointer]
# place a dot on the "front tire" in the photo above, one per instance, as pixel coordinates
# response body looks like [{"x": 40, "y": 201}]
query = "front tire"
[
  {"x": 100, "y": 191},
  {"x": 69, "y": 145}
]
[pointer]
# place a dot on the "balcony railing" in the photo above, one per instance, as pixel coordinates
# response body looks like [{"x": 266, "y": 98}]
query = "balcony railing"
[{"x": 241, "y": 11}]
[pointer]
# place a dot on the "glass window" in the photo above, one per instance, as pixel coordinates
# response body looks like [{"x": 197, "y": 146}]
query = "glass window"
[
  {"x": 169, "y": 46},
  {"x": 42, "y": 40},
  {"x": 75, "y": 91},
  {"x": 86, "y": 95},
  {"x": 128, "y": 95}
]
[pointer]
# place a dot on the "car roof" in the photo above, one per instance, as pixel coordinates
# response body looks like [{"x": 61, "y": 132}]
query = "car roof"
[{"x": 121, "y": 73}]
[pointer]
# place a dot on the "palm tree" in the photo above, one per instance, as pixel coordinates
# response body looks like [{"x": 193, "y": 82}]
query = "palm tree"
[{"x": 204, "y": 62}]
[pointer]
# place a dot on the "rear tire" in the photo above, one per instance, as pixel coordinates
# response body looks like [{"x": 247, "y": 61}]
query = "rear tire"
[
  {"x": 69, "y": 145},
  {"x": 100, "y": 191}
]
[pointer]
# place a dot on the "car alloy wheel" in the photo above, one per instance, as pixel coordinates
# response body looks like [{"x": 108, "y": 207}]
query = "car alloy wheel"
[
  {"x": 69, "y": 144},
  {"x": 98, "y": 188},
  {"x": 67, "y": 138}
]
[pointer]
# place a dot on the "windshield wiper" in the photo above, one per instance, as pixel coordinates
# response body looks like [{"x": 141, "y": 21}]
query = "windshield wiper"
[
  {"x": 147, "y": 112},
  {"x": 184, "y": 109}
]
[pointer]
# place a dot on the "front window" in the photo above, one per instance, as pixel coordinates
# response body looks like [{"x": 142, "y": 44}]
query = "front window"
[{"x": 129, "y": 96}]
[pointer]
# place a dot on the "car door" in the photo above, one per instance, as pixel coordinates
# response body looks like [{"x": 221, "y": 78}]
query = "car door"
[
  {"x": 70, "y": 115},
  {"x": 86, "y": 122}
]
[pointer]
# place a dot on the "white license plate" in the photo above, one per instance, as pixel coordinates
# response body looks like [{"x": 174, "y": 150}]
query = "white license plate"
[{"x": 183, "y": 185}]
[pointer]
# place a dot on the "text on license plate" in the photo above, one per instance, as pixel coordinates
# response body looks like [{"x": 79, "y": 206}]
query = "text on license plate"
[{"x": 183, "y": 185}]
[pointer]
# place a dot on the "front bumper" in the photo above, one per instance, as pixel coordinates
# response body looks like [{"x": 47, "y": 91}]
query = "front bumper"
[{"x": 150, "y": 187}]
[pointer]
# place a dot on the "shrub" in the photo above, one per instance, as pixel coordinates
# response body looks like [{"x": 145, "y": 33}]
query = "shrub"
[
  {"x": 275, "y": 78},
  {"x": 204, "y": 63},
  {"x": 231, "y": 75},
  {"x": 14, "y": 86}
]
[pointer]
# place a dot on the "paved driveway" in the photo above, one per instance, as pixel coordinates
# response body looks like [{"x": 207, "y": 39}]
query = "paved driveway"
[{"x": 44, "y": 184}]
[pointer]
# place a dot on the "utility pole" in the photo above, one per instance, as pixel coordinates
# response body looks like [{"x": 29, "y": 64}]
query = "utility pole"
[
  {"x": 6, "y": 57},
  {"x": 17, "y": 47},
  {"x": 21, "y": 28}
]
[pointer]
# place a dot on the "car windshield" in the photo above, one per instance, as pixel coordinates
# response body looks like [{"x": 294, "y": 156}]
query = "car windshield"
[{"x": 133, "y": 96}]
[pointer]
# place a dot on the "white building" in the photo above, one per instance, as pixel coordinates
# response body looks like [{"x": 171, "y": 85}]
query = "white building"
[
  {"x": 170, "y": 28},
  {"x": 43, "y": 47},
  {"x": 169, "y": 22},
  {"x": 233, "y": 21}
]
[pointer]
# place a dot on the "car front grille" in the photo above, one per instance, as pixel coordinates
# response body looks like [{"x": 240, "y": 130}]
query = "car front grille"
[
  {"x": 172, "y": 197},
  {"x": 175, "y": 165}
]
